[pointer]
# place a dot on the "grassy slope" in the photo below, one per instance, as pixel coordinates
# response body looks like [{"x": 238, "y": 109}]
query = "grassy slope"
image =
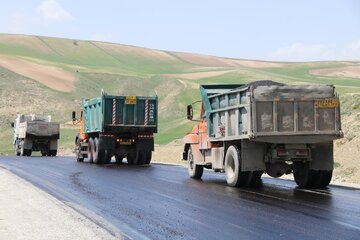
[{"x": 120, "y": 69}]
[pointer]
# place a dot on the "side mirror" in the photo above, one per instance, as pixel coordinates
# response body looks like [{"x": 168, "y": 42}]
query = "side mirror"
[
  {"x": 12, "y": 124},
  {"x": 73, "y": 115},
  {"x": 189, "y": 112}
]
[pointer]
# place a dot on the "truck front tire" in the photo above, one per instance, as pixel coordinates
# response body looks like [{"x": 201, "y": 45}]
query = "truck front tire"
[
  {"x": 195, "y": 171},
  {"x": 79, "y": 156}
]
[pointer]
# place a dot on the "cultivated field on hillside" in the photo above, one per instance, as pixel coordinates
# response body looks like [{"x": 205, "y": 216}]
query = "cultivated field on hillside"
[{"x": 46, "y": 75}]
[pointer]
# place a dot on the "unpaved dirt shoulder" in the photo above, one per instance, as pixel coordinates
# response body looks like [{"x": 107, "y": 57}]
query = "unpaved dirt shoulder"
[{"x": 27, "y": 212}]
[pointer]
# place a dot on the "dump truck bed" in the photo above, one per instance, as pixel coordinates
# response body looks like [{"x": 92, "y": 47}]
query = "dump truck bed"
[
  {"x": 120, "y": 114},
  {"x": 39, "y": 129},
  {"x": 272, "y": 112}
]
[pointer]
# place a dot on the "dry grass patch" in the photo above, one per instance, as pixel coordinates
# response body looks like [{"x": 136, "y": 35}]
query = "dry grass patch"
[
  {"x": 348, "y": 71},
  {"x": 30, "y": 42},
  {"x": 137, "y": 51},
  {"x": 53, "y": 77},
  {"x": 212, "y": 61},
  {"x": 198, "y": 75}
]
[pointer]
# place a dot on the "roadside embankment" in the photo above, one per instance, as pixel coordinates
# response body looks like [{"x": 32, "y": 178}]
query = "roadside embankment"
[{"x": 27, "y": 212}]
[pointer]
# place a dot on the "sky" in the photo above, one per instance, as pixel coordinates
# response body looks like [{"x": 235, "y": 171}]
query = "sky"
[{"x": 277, "y": 30}]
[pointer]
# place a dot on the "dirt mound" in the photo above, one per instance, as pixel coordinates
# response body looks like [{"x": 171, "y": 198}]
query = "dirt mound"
[
  {"x": 348, "y": 71},
  {"x": 347, "y": 150},
  {"x": 53, "y": 77}
]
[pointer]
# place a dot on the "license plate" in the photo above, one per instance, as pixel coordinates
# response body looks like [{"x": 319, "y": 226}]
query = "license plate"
[
  {"x": 327, "y": 103},
  {"x": 130, "y": 100}
]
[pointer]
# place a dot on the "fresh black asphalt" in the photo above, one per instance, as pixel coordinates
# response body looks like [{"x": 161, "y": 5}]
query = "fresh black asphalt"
[{"x": 162, "y": 202}]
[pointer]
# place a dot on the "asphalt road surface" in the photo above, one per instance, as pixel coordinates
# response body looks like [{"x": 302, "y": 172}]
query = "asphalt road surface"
[{"x": 162, "y": 202}]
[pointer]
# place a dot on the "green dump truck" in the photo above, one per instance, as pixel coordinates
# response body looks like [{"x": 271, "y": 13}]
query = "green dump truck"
[
  {"x": 265, "y": 126},
  {"x": 120, "y": 126}
]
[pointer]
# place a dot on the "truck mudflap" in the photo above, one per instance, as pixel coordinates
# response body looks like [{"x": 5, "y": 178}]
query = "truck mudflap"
[
  {"x": 254, "y": 153},
  {"x": 145, "y": 144},
  {"x": 322, "y": 157},
  {"x": 107, "y": 142}
]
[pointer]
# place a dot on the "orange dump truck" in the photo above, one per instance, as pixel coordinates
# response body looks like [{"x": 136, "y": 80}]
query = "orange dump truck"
[{"x": 248, "y": 129}]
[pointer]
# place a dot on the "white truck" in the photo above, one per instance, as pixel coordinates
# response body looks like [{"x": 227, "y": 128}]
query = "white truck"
[{"x": 35, "y": 133}]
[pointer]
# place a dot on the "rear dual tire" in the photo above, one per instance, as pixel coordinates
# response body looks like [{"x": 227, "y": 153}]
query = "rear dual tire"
[
  {"x": 94, "y": 153},
  {"x": 52, "y": 153},
  {"x": 97, "y": 153},
  {"x": 139, "y": 157},
  {"x": 25, "y": 152},
  {"x": 308, "y": 178},
  {"x": 49, "y": 153},
  {"x": 234, "y": 175},
  {"x": 90, "y": 150},
  {"x": 78, "y": 149}
]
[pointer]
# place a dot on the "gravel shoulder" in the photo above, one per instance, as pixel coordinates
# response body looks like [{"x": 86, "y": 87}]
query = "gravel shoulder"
[{"x": 27, "y": 212}]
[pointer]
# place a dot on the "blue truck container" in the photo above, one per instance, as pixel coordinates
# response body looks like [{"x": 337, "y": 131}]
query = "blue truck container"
[{"x": 120, "y": 126}]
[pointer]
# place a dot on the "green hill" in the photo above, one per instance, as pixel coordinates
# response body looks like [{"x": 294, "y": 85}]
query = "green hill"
[{"x": 36, "y": 77}]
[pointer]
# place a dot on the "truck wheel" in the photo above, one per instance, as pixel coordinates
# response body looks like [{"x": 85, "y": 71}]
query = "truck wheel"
[
  {"x": 108, "y": 156},
  {"x": 119, "y": 159},
  {"x": 28, "y": 152},
  {"x": 195, "y": 171},
  {"x": 98, "y": 154},
  {"x": 148, "y": 155},
  {"x": 131, "y": 158},
  {"x": 53, "y": 153},
  {"x": 324, "y": 178},
  {"x": 43, "y": 153},
  {"x": 90, "y": 150},
  {"x": 23, "y": 151},
  {"x": 304, "y": 177},
  {"x": 254, "y": 178},
  {"x": 140, "y": 158},
  {"x": 79, "y": 156},
  {"x": 233, "y": 174}
]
